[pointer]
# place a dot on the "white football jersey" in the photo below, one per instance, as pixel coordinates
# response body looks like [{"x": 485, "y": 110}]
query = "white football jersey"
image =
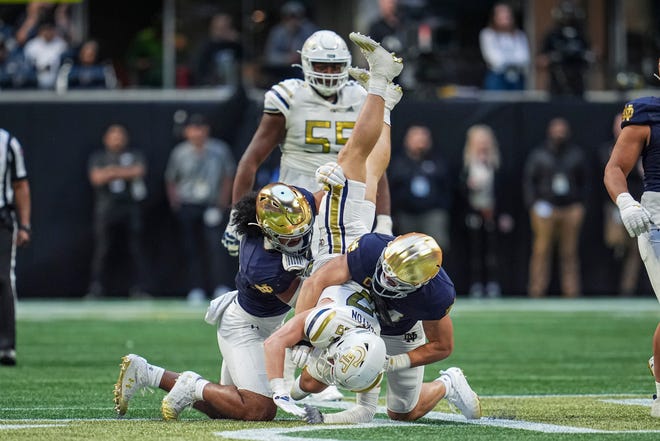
[
  {"x": 350, "y": 306},
  {"x": 315, "y": 129}
]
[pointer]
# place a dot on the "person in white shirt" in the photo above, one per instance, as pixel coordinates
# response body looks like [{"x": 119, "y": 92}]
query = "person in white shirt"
[
  {"x": 45, "y": 51},
  {"x": 505, "y": 50}
]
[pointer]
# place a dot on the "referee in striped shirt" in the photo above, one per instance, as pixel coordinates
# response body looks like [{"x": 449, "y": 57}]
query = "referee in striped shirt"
[{"x": 14, "y": 230}]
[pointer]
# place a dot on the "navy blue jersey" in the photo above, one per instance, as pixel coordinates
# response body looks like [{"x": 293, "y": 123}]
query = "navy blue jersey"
[
  {"x": 261, "y": 275},
  {"x": 646, "y": 111},
  {"x": 430, "y": 302}
]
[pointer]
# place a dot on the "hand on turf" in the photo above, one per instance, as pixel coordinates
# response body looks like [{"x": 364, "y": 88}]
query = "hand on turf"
[
  {"x": 636, "y": 218},
  {"x": 313, "y": 415}
]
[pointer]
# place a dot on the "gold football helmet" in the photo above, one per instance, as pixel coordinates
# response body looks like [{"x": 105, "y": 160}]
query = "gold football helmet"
[
  {"x": 285, "y": 217},
  {"x": 406, "y": 264}
]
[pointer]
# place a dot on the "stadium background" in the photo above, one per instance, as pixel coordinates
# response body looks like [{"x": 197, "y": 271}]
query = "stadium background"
[{"x": 59, "y": 132}]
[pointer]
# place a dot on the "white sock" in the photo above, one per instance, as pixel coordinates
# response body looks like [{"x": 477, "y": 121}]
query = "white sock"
[
  {"x": 200, "y": 384},
  {"x": 386, "y": 117},
  {"x": 154, "y": 375},
  {"x": 296, "y": 392},
  {"x": 657, "y": 389},
  {"x": 377, "y": 85},
  {"x": 446, "y": 380}
]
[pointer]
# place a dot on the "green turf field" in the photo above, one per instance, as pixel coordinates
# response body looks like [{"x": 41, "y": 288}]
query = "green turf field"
[{"x": 547, "y": 369}]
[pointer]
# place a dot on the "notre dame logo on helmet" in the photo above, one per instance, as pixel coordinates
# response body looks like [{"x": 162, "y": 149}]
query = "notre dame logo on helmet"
[
  {"x": 627, "y": 112},
  {"x": 264, "y": 288}
]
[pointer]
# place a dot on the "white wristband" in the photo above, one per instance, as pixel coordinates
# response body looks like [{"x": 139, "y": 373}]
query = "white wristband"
[
  {"x": 624, "y": 199},
  {"x": 277, "y": 387},
  {"x": 398, "y": 362}
]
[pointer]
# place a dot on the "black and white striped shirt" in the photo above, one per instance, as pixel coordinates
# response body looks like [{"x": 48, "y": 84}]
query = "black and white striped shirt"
[{"x": 12, "y": 166}]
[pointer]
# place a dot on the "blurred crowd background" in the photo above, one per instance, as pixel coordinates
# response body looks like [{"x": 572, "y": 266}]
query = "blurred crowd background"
[
  {"x": 490, "y": 88},
  {"x": 450, "y": 46}
]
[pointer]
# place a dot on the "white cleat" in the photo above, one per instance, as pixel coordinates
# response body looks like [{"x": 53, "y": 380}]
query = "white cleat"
[
  {"x": 330, "y": 393},
  {"x": 380, "y": 61},
  {"x": 655, "y": 408},
  {"x": 132, "y": 378},
  {"x": 462, "y": 396},
  {"x": 180, "y": 397},
  {"x": 393, "y": 93}
]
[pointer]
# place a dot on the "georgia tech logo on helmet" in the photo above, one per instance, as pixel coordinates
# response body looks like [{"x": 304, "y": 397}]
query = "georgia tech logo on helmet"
[{"x": 628, "y": 112}]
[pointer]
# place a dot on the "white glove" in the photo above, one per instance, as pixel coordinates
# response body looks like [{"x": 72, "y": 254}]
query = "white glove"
[
  {"x": 299, "y": 355},
  {"x": 231, "y": 239},
  {"x": 283, "y": 400},
  {"x": 330, "y": 174},
  {"x": 396, "y": 362},
  {"x": 383, "y": 224},
  {"x": 636, "y": 218}
]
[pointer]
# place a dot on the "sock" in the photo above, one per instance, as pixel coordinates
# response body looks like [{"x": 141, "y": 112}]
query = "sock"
[
  {"x": 296, "y": 392},
  {"x": 154, "y": 375},
  {"x": 447, "y": 382},
  {"x": 199, "y": 389},
  {"x": 377, "y": 85},
  {"x": 386, "y": 117},
  {"x": 657, "y": 389}
]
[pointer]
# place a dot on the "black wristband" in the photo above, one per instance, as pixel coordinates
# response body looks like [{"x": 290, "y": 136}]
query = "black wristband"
[{"x": 25, "y": 228}]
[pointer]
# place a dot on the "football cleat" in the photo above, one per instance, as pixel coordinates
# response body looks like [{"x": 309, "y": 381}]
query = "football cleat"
[
  {"x": 8, "y": 357},
  {"x": 393, "y": 93},
  {"x": 180, "y": 397},
  {"x": 462, "y": 396},
  {"x": 380, "y": 61},
  {"x": 655, "y": 408},
  {"x": 132, "y": 378}
]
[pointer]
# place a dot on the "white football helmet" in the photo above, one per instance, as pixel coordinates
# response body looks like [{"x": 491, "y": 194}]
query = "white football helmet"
[
  {"x": 325, "y": 47},
  {"x": 355, "y": 361}
]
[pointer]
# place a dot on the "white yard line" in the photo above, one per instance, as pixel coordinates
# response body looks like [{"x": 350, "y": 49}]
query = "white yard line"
[{"x": 64, "y": 309}]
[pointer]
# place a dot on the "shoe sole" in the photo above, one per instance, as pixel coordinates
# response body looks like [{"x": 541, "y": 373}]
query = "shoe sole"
[
  {"x": 121, "y": 405},
  {"x": 168, "y": 412},
  {"x": 367, "y": 44}
]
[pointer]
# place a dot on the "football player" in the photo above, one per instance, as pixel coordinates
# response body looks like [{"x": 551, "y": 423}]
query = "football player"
[
  {"x": 284, "y": 215},
  {"x": 347, "y": 352},
  {"x": 640, "y": 136},
  {"x": 311, "y": 120},
  {"x": 413, "y": 297},
  {"x": 273, "y": 251}
]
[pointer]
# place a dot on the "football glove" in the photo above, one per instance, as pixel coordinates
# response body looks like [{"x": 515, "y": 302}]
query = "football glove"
[
  {"x": 231, "y": 239},
  {"x": 636, "y": 218},
  {"x": 300, "y": 354},
  {"x": 313, "y": 415},
  {"x": 283, "y": 400},
  {"x": 330, "y": 174},
  {"x": 396, "y": 362}
]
